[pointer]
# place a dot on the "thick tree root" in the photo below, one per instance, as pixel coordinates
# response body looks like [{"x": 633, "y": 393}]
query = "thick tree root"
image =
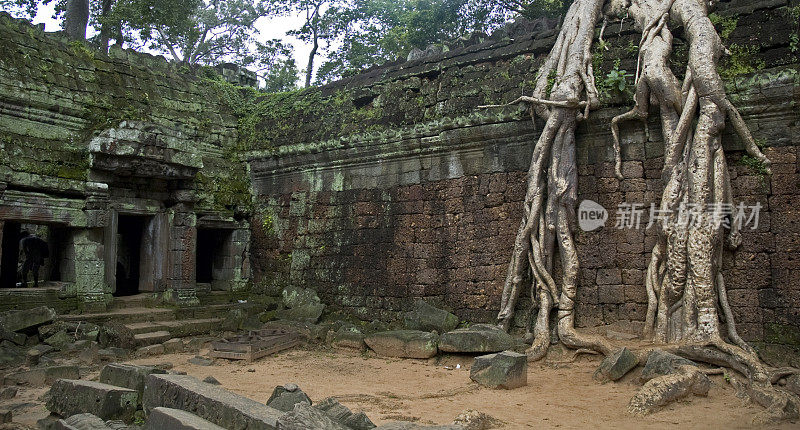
[
  {"x": 687, "y": 297},
  {"x": 663, "y": 390}
]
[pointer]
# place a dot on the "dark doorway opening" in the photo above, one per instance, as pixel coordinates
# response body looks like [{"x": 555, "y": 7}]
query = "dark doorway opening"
[
  {"x": 129, "y": 250},
  {"x": 213, "y": 258},
  {"x": 55, "y": 262},
  {"x": 9, "y": 259}
]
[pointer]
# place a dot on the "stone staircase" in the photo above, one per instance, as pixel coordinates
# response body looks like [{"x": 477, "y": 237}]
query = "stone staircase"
[{"x": 152, "y": 325}]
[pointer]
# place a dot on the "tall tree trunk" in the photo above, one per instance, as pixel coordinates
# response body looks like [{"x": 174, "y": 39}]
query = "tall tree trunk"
[
  {"x": 105, "y": 26},
  {"x": 311, "y": 55},
  {"x": 76, "y": 18}
]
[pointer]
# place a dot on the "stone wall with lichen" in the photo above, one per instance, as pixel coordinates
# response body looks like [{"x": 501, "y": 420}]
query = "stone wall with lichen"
[
  {"x": 394, "y": 184},
  {"x": 56, "y": 95}
]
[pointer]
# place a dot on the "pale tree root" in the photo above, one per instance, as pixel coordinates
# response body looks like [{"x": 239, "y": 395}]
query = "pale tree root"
[
  {"x": 779, "y": 405},
  {"x": 663, "y": 390}
]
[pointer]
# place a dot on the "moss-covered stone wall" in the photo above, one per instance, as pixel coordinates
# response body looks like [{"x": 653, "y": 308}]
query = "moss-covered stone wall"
[
  {"x": 394, "y": 185},
  {"x": 56, "y": 95}
]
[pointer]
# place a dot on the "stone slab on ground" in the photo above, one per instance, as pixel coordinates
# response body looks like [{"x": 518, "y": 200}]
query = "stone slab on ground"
[
  {"x": 42, "y": 376},
  {"x": 661, "y": 363},
  {"x": 404, "y": 343},
  {"x": 128, "y": 375},
  {"x": 407, "y": 425},
  {"x": 176, "y": 419},
  {"x": 150, "y": 350},
  {"x": 616, "y": 365},
  {"x": 6, "y": 416},
  {"x": 347, "y": 338},
  {"x": 306, "y": 417},
  {"x": 284, "y": 397},
  {"x": 81, "y": 422},
  {"x": 429, "y": 318},
  {"x": 69, "y": 397},
  {"x": 152, "y": 338},
  {"x": 26, "y": 319},
  {"x": 507, "y": 369},
  {"x": 343, "y": 415},
  {"x": 476, "y": 338},
  {"x": 8, "y": 393},
  {"x": 210, "y": 402},
  {"x": 173, "y": 345}
]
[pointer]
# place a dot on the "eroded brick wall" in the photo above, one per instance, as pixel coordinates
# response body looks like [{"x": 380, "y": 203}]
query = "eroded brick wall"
[{"x": 429, "y": 209}]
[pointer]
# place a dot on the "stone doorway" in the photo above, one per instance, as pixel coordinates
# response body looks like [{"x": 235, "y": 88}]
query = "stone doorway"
[
  {"x": 58, "y": 264},
  {"x": 214, "y": 258},
  {"x": 130, "y": 233}
]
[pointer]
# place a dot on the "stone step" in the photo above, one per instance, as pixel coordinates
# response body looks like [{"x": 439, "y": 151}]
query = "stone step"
[
  {"x": 145, "y": 327},
  {"x": 136, "y": 301},
  {"x": 209, "y": 311},
  {"x": 152, "y": 338},
  {"x": 124, "y": 316},
  {"x": 176, "y": 328}
]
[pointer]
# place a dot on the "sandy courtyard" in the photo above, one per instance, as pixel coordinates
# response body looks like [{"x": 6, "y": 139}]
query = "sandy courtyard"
[{"x": 426, "y": 391}]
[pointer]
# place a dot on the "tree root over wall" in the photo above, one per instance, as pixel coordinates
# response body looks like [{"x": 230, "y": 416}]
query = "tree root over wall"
[{"x": 687, "y": 299}]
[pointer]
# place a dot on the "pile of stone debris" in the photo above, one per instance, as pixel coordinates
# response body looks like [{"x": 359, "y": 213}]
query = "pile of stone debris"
[{"x": 145, "y": 397}]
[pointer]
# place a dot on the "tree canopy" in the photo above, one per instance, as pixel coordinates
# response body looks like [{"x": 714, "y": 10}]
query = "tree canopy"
[{"x": 345, "y": 36}]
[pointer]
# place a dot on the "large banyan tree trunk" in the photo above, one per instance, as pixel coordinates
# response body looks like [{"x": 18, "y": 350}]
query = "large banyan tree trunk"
[{"x": 685, "y": 287}]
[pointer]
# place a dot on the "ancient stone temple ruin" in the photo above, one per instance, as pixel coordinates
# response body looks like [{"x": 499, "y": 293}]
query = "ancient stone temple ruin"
[
  {"x": 119, "y": 165},
  {"x": 375, "y": 211}
]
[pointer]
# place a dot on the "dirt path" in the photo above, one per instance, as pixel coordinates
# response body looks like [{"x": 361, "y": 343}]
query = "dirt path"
[{"x": 427, "y": 392}]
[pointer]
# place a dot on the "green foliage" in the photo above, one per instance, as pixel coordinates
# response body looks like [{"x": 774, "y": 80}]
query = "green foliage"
[
  {"x": 755, "y": 164},
  {"x": 376, "y": 31},
  {"x": 615, "y": 81},
  {"x": 741, "y": 61},
  {"x": 80, "y": 49},
  {"x": 632, "y": 48},
  {"x": 724, "y": 25}
]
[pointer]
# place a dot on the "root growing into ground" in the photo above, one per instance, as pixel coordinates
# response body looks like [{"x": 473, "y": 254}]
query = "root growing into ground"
[{"x": 687, "y": 298}]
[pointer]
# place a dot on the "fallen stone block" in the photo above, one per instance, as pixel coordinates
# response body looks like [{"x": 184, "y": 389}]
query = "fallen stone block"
[
  {"x": 210, "y": 402},
  {"x": 26, "y": 319},
  {"x": 348, "y": 338},
  {"x": 211, "y": 380},
  {"x": 69, "y": 397},
  {"x": 284, "y": 397},
  {"x": 8, "y": 393},
  {"x": 60, "y": 340},
  {"x": 616, "y": 365},
  {"x": 5, "y": 416},
  {"x": 428, "y": 318},
  {"x": 661, "y": 363},
  {"x": 302, "y": 304},
  {"x": 343, "y": 415},
  {"x": 173, "y": 345},
  {"x": 476, "y": 338},
  {"x": 176, "y": 419},
  {"x": 201, "y": 361},
  {"x": 12, "y": 336},
  {"x": 42, "y": 376},
  {"x": 128, "y": 376},
  {"x": 476, "y": 420},
  {"x": 305, "y": 417},
  {"x": 505, "y": 369},
  {"x": 147, "y": 351},
  {"x": 81, "y": 422},
  {"x": 111, "y": 353},
  {"x": 404, "y": 343},
  {"x": 407, "y": 425}
]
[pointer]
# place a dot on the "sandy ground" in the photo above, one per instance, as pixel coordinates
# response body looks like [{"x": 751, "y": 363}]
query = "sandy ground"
[
  {"x": 425, "y": 391},
  {"x": 434, "y": 392}
]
